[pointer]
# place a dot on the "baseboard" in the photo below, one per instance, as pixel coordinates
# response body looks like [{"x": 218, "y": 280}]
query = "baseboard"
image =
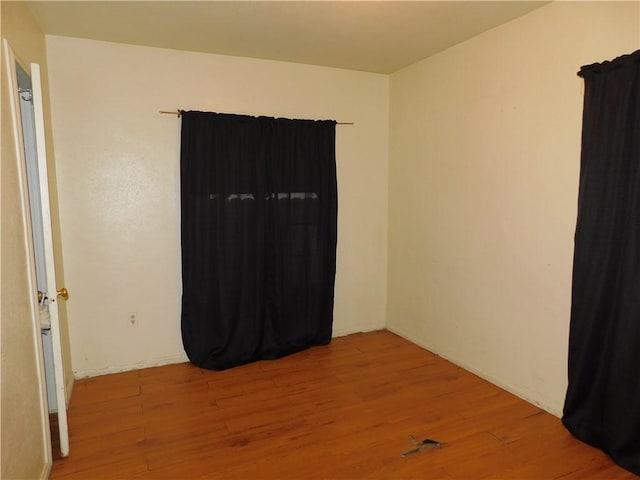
[
  {"x": 521, "y": 393},
  {"x": 343, "y": 332},
  {"x": 136, "y": 366},
  {"x": 182, "y": 358}
]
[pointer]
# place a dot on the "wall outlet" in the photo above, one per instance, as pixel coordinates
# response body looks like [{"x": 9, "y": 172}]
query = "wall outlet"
[{"x": 132, "y": 318}]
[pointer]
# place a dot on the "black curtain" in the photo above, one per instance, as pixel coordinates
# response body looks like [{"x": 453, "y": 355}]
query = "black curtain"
[
  {"x": 259, "y": 226},
  {"x": 602, "y": 405}
]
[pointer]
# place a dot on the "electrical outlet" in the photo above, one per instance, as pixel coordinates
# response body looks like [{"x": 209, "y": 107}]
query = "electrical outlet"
[{"x": 132, "y": 318}]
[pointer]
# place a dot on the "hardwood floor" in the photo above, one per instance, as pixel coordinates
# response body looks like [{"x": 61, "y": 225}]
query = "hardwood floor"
[{"x": 344, "y": 411}]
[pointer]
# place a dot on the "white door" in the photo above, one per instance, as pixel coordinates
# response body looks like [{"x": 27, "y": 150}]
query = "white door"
[{"x": 28, "y": 114}]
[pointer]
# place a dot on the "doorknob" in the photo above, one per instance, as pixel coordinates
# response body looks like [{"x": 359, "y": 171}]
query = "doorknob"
[{"x": 64, "y": 293}]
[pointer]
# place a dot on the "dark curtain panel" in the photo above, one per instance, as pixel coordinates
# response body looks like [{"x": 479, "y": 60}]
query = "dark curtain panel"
[
  {"x": 602, "y": 406},
  {"x": 259, "y": 226}
]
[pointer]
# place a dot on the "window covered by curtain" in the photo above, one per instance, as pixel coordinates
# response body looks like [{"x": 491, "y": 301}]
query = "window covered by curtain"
[
  {"x": 602, "y": 406},
  {"x": 259, "y": 226}
]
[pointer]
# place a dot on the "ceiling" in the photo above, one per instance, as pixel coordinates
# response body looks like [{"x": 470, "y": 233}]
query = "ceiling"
[{"x": 371, "y": 36}]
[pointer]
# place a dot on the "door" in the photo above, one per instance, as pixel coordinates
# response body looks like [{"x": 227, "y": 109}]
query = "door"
[{"x": 27, "y": 109}]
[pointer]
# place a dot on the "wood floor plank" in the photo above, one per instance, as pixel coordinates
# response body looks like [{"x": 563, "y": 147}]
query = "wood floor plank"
[
  {"x": 95, "y": 390},
  {"x": 340, "y": 411},
  {"x": 112, "y": 419}
]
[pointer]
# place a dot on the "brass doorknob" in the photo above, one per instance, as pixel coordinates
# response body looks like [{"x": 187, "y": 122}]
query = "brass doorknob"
[{"x": 64, "y": 293}]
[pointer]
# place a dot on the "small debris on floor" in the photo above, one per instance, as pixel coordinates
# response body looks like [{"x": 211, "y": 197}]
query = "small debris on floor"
[{"x": 420, "y": 446}]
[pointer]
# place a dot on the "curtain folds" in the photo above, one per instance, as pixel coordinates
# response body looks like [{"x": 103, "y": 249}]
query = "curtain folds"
[
  {"x": 602, "y": 405},
  {"x": 259, "y": 229}
]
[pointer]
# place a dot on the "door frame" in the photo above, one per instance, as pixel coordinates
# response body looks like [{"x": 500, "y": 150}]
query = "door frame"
[{"x": 34, "y": 71}]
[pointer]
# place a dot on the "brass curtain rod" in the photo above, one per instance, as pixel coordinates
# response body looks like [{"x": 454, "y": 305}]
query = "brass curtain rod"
[{"x": 179, "y": 112}]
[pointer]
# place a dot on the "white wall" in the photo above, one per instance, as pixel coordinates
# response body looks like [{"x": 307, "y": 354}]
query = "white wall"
[
  {"x": 118, "y": 161},
  {"x": 484, "y": 162}
]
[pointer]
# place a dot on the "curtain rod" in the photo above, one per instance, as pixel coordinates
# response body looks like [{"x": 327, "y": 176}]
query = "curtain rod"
[{"x": 179, "y": 112}]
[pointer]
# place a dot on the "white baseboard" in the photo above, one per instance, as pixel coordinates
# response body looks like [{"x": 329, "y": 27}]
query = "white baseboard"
[
  {"x": 136, "y": 366},
  {"x": 182, "y": 358},
  {"x": 343, "y": 332},
  {"x": 523, "y": 394}
]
